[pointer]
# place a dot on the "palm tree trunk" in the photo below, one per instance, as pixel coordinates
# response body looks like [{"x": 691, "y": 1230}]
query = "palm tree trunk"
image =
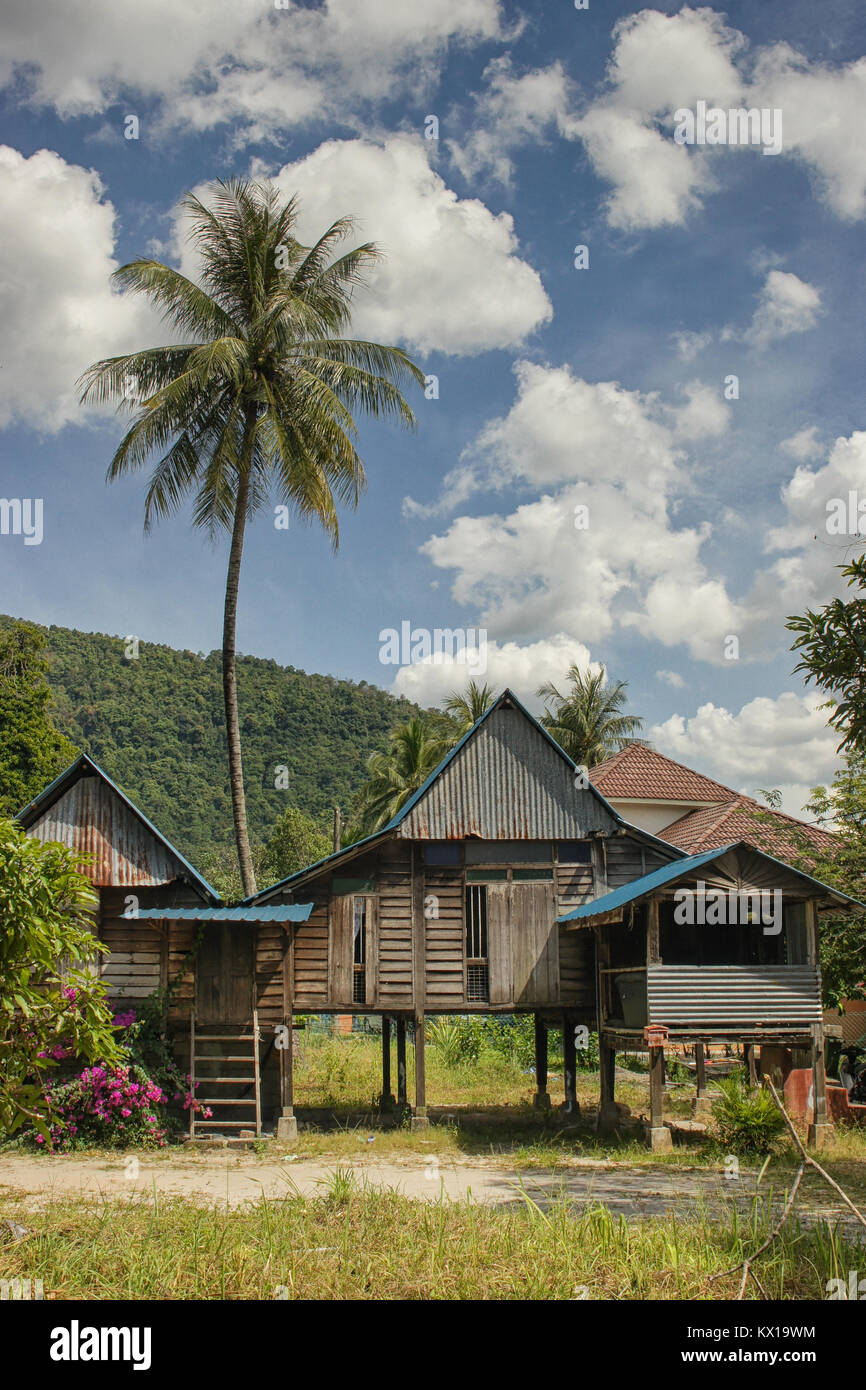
[{"x": 230, "y": 684}]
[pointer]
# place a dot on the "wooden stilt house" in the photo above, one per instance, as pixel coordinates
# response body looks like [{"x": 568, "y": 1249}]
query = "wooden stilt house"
[{"x": 506, "y": 884}]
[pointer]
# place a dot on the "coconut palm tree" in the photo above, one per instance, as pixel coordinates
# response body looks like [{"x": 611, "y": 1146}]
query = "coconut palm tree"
[
  {"x": 255, "y": 398},
  {"x": 587, "y": 722},
  {"x": 467, "y": 706},
  {"x": 393, "y": 776}
]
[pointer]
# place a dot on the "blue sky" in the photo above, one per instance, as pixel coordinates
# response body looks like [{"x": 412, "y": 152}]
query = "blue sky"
[{"x": 558, "y": 388}]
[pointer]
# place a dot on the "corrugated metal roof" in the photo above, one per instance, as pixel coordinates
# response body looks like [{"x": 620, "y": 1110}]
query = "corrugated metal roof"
[
  {"x": 509, "y": 782},
  {"x": 84, "y": 810},
  {"x": 560, "y": 818},
  {"x": 472, "y": 809},
  {"x": 291, "y": 912},
  {"x": 684, "y": 868}
]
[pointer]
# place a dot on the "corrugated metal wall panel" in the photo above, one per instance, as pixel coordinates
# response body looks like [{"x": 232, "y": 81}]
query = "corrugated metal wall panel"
[
  {"x": 507, "y": 783},
  {"x": 707, "y": 994},
  {"x": 92, "y": 820}
]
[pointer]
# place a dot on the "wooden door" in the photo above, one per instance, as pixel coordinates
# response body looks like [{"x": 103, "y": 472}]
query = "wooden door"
[
  {"x": 224, "y": 974},
  {"x": 535, "y": 943},
  {"x": 499, "y": 944}
]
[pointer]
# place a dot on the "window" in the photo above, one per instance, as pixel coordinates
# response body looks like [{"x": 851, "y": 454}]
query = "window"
[
  {"x": 442, "y": 852},
  {"x": 574, "y": 852},
  {"x": 477, "y": 971},
  {"x": 359, "y": 951},
  {"x": 509, "y": 852}
]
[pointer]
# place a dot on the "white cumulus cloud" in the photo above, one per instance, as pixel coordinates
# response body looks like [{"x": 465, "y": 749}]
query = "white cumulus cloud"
[{"x": 58, "y": 312}]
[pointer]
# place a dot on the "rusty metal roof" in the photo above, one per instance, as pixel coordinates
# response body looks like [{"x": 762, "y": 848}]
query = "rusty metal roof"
[
  {"x": 84, "y": 810},
  {"x": 517, "y": 784},
  {"x": 506, "y": 780}
]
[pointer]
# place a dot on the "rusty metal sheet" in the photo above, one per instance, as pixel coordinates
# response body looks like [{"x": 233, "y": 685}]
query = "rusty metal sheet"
[
  {"x": 788, "y": 995},
  {"x": 507, "y": 782},
  {"x": 91, "y": 819}
]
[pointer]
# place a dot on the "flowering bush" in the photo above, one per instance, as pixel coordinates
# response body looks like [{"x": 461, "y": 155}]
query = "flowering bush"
[{"x": 112, "y": 1106}]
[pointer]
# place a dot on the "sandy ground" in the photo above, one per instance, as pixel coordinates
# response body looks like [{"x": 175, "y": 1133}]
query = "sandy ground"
[{"x": 237, "y": 1178}]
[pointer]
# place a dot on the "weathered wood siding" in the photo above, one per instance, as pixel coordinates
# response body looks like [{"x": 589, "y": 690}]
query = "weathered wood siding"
[
  {"x": 575, "y": 884},
  {"x": 628, "y": 858},
  {"x": 394, "y": 877},
  {"x": 311, "y": 955},
  {"x": 444, "y": 937},
  {"x": 139, "y": 961},
  {"x": 534, "y": 944}
]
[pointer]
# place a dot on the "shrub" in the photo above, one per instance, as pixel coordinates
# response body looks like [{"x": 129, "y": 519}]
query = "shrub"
[
  {"x": 109, "y": 1106},
  {"x": 746, "y": 1121}
]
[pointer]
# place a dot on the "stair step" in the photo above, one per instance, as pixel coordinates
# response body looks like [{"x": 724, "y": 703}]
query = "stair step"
[
  {"x": 224, "y": 1037},
  {"x": 228, "y": 1080},
  {"x": 224, "y": 1124},
  {"x": 214, "y": 1100},
  {"x": 245, "y": 1057}
]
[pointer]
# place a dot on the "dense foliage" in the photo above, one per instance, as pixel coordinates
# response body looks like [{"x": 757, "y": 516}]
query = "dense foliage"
[
  {"x": 32, "y": 752},
  {"x": 156, "y": 725},
  {"x": 48, "y": 1011},
  {"x": 832, "y": 647},
  {"x": 842, "y": 808}
]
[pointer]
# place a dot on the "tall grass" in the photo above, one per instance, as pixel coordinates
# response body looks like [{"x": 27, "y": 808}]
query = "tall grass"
[{"x": 356, "y": 1242}]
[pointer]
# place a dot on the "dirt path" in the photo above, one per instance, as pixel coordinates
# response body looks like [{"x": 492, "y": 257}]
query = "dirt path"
[{"x": 236, "y": 1179}]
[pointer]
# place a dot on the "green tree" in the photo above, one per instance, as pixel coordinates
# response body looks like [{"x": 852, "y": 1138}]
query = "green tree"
[
  {"x": 842, "y": 809},
  {"x": 46, "y": 908},
  {"x": 467, "y": 706},
  {"x": 832, "y": 643},
  {"x": 297, "y": 842},
  {"x": 588, "y": 722},
  {"x": 32, "y": 752},
  {"x": 257, "y": 397},
  {"x": 395, "y": 775}
]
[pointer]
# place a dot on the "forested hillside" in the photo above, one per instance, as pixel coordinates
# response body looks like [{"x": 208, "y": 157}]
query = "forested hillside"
[{"x": 155, "y": 724}]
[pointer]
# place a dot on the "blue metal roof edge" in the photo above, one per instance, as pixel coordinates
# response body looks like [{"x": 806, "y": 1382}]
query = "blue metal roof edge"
[
  {"x": 287, "y": 912},
  {"x": 639, "y": 887},
  {"x": 84, "y": 760}
]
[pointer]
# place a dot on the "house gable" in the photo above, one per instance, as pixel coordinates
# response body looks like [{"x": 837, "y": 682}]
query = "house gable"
[
  {"x": 84, "y": 810},
  {"x": 507, "y": 780}
]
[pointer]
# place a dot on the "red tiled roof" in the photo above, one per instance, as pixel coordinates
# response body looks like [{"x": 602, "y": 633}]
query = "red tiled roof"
[
  {"x": 642, "y": 773},
  {"x": 774, "y": 832}
]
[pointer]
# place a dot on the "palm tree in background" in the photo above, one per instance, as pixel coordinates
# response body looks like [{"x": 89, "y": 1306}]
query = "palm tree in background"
[
  {"x": 587, "y": 722},
  {"x": 467, "y": 706},
  {"x": 413, "y": 752},
  {"x": 256, "y": 400}
]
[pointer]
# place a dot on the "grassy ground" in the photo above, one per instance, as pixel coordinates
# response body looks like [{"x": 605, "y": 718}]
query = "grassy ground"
[{"x": 358, "y": 1243}]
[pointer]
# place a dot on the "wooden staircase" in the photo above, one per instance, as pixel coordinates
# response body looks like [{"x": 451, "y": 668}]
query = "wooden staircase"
[{"x": 245, "y": 1049}]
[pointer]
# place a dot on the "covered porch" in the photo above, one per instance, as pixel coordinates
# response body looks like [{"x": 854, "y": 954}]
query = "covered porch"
[{"x": 720, "y": 947}]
